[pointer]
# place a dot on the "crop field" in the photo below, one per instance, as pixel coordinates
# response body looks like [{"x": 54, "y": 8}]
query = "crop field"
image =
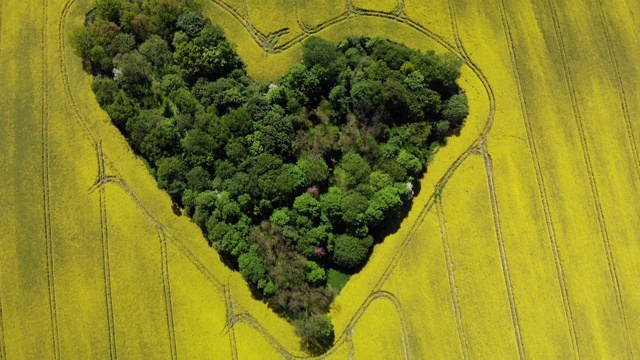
[{"x": 523, "y": 242}]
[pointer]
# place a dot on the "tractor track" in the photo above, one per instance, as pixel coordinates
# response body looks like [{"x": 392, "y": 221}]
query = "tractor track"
[
  {"x": 482, "y": 147},
  {"x": 267, "y": 43},
  {"x": 488, "y": 163},
  {"x": 122, "y": 184},
  {"x": 166, "y": 286},
  {"x": 118, "y": 179},
  {"x": 46, "y": 186},
  {"x": 349, "y": 341},
  {"x": 594, "y": 188},
  {"x": 622, "y": 95},
  {"x": 3, "y": 349},
  {"x": 106, "y": 265},
  {"x": 229, "y": 326},
  {"x": 453, "y": 287},
  {"x": 344, "y": 338},
  {"x": 541, "y": 184},
  {"x": 78, "y": 118}
]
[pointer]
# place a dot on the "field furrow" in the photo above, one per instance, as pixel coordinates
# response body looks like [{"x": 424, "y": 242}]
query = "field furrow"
[
  {"x": 619, "y": 86},
  {"x": 472, "y": 235},
  {"x": 315, "y": 14},
  {"x": 624, "y": 34},
  {"x": 614, "y": 183},
  {"x": 432, "y": 14},
  {"x": 106, "y": 263},
  {"x": 268, "y": 18},
  {"x": 252, "y": 345},
  {"x": 488, "y": 164},
  {"x": 76, "y": 225},
  {"x": 588, "y": 163},
  {"x": 566, "y": 175},
  {"x": 542, "y": 192},
  {"x": 166, "y": 286},
  {"x": 239, "y": 6},
  {"x": 453, "y": 286},
  {"x": 138, "y": 289},
  {"x": 427, "y": 302},
  {"x": 46, "y": 201},
  {"x": 3, "y": 352},
  {"x": 197, "y": 305},
  {"x": 230, "y": 322},
  {"x": 521, "y": 219},
  {"x": 385, "y": 6},
  {"x": 369, "y": 342},
  {"x": 25, "y": 300}
]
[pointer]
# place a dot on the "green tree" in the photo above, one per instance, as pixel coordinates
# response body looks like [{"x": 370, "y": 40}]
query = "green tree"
[
  {"x": 191, "y": 23},
  {"x": 100, "y": 60},
  {"x": 379, "y": 180},
  {"x": 109, "y": 10},
  {"x": 415, "y": 80},
  {"x": 140, "y": 126},
  {"x": 456, "y": 109},
  {"x": 280, "y": 217},
  {"x": 330, "y": 203},
  {"x": 135, "y": 74},
  {"x": 184, "y": 101},
  {"x": 314, "y": 238},
  {"x": 122, "y": 109},
  {"x": 351, "y": 171},
  {"x": 314, "y": 168},
  {"x": 318, "y": 51},
  {"x": 122, "y": 44},
  {"x": 199, "y": 148},
  {"x": 384, "y": 202},
  {"x": 105, "y": 90},
  {"x": 103, "y": 32},
  {"x": 305, "y": 204},
  {"x": 140, "y": 25},
  {"x": 408, "y": 161},
  {"x": 171, "y": 176},
  {"x": 315, "y": 273},
  {"x": 82, "y": 43},
  {"x": 349, "y": 252},
  {"x": 198, "y": 179},
  {"x": 251, "y": 265},
  {"x": 316, "y": 332},
  {"x": 305, "y": 81},
  {"x": 161, "y": 141},
  {"x": 156, "y": 50},
  {"x": 353, "y": 205}
]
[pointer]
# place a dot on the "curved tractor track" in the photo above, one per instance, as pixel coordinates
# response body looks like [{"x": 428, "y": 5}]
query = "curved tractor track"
[
  {"x": 269, "y": 44},
  {"x": 477, "y": 147}
]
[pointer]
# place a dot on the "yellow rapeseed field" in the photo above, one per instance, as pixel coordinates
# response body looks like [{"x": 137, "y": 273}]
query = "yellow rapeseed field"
[
  {"x": 313, "y": 14},
  {"x": 522, "y": 242},
  {"x": 386, "y": 6}
]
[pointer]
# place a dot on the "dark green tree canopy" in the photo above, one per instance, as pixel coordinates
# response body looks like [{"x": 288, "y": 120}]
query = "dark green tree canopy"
[{"x": 287, "y": 180}]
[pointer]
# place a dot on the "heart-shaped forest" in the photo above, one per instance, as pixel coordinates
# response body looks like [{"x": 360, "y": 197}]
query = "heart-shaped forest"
[{"x": 292, "y": 182}]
